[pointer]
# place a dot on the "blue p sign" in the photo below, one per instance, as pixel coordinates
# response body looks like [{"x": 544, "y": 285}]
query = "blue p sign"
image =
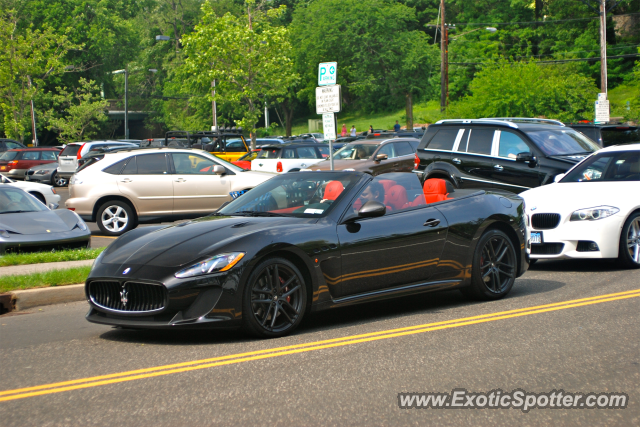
[{"x": 327, "y": 78}]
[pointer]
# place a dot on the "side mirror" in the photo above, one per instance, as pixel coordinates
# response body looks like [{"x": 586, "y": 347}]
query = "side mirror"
[
  {"x": 380, "y": 157},
  {"x": 372, "y": 209},
  {"x": 525, "y": 157},
  {"x": 219, "y": 170},
  {"x": 53, "y": 206},
  {"x": 558, "y": 177}
]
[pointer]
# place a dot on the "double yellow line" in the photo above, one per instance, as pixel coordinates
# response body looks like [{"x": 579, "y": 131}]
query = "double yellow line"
[{"x": 231, "y": 359}]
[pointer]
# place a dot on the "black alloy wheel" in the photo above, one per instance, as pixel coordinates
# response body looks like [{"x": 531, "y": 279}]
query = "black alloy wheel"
[
  {"x": 275, "y": 299},
  {"x": 494, "y": 267},
  {"x": 58, "y": 181},
  {"x": 629, "y": 250}
]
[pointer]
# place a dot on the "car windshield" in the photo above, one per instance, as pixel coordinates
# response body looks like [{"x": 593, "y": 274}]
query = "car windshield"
[
  {"x": 611, "y": 166},
  {"x": 14, "y": 200},
  {"x": 9, "y": 155},
  {"x": 355, "y": 152},
  {"x": 70, "y": 150},
  {"x": 562, "y": 142},
  {"x": 620, "y": 135},
  {"x": 300, "y": 194}
]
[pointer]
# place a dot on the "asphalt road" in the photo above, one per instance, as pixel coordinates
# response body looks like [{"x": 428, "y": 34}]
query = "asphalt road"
[{"x": 580, "y": 346}]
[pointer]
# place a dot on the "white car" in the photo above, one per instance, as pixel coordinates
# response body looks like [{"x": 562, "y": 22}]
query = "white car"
[
  {"x": 45, "y": 193},
  {"x": 290, "y": 157},
  {"x": 592, "y": 211},
  {"x": 69, "y": 156}
]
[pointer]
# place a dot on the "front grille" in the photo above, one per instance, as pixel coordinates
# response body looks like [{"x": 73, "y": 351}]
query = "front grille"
[
  {"x": 133, "y": 297},
  {"x": 544, "y": 221},
  {"x": 547, "y": 249}
]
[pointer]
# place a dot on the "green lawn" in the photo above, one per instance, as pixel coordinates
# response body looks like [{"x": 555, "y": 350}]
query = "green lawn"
[
  {"x": 41, "y": 257},
  {"x": 68, "y": 276},
  {"x": 428, "y": 112}
]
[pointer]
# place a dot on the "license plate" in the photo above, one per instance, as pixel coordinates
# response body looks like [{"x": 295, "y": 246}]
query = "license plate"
[
  {"x": 2, "y": 168},
  {"x": 536, "y": 237}
]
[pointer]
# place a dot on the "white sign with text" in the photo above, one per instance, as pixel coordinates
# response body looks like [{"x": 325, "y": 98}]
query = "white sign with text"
[
  {"x": 328, "y": 99},
  {"x": 329, "y": 126}
]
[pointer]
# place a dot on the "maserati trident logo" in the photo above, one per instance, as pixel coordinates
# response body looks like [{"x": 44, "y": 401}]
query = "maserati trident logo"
[
  {"x": 126, "y": 270},
  {"x": 124, "y": 296}
]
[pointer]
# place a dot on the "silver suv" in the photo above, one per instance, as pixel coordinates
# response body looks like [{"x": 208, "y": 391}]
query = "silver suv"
[
  {"x": 68, "y": 158},
  {"x": 154, "y": 185}
]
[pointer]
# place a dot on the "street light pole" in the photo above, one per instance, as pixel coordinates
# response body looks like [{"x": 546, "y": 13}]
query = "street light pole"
[
  {"x": 126, "y": 100},
  {"x": 33, "y": 119},
  {"x": 603, "y": 47},
  {"x": 214, "y": 107}
]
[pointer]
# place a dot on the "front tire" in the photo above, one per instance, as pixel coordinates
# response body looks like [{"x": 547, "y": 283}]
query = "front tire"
[
  {"x": 274, "y": 299},
  {"x": 494, "y": 267},
  {"x": 57, "y": 180},
  {"x": 629, "y": 251},
  {"x": 39, "y": 197},
  {"x": 115, "y": 218}
]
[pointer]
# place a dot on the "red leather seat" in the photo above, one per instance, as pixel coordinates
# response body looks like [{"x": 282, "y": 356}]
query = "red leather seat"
[
  {"x": 418, "y": 201},
  {"x": 333, "y": 190},
  {"x": 387, "y": 184},
  {"x": 396, "y": 197},
  {"x": 435, "y": 190}
]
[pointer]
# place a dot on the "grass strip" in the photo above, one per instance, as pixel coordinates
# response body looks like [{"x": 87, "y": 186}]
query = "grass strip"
[
  {"x": 68, "y": 276},
  {"x": 42, "y": 257}
]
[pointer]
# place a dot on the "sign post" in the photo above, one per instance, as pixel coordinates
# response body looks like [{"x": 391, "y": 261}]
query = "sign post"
[
  {"x": 602, "y": 109},
  {"x": 328, "y": 99}
]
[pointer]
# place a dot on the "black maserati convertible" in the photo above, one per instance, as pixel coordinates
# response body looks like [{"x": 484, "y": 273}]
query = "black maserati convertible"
[{"x": 308, "y": 241}]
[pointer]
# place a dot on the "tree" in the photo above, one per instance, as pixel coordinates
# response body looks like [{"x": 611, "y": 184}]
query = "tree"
[
  {"x": 83, "y": 112},
  {"x": 522, "y": 89},
  {"x": 247, "y": 56},
  {"x": 28, "y": 57}
]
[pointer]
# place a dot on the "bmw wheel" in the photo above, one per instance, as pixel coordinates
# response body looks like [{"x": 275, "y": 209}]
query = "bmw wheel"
[
  {"x": 629, "y": 252},
  {"x": 57, "y": 180},
  {"x": 115, "y": 218},
  {"x": 275, "y": 299},
  {"x": 494, "y": 267}
]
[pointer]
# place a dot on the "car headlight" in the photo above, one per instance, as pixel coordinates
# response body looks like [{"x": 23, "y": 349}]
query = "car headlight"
[
  {"x": 592, "y": 214},
  {"x": 75, "y": 180},
  {"x": 80, "y": 224},
  {"x": 4, "y": 233},
  {"x": 42, "y": 172},
  {"x": 222, "y": 262}
]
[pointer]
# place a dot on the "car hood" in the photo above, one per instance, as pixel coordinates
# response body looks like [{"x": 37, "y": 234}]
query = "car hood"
[
  {"x": 325, "y": 165},
  {"x": 26, "y": 186},
  {"x": 42, "y": 222},
  {"x": 45, "y": 166},
  {"x": 184, "y": 243},
  {"x": 569, "y": 196},
  {"x": 571, "y": 158}
]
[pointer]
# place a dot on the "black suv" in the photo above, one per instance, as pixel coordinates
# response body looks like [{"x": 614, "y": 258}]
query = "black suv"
[
  {"x": 607, "y": 135},
  {"x": 9, "y": 144},
  {"x": 508, "y": 154}
]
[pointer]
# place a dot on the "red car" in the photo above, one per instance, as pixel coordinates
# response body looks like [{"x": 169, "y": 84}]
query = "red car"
[
  {"x": 14, "y": 163},
  {"x": 245, "y": 161}
]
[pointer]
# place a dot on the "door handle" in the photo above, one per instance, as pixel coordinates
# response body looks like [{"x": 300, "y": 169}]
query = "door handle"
[
  {"x": 456, "y": 160},
  {"x": 180, "y": 180},
  {"x": 126, "y": 180},
  {"x": 498, "y": 167},
  {"x": 432, "y": 222},
  {"x": 396, "y": 164}
]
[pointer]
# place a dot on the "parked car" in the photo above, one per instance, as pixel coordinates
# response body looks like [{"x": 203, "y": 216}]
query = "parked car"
[
  {"x": 14, "y": 163},
  {"x": 591, "y": 211},
  {"x": 608, "y": 135},
  {"x": 9, "y": 144},
  {"x": 244, "y": 162},
  {"x": 27, "y": 225},
  {"x": 508, "y": 154},
  {"x": 72, "y": 153},
  {"x": 298, "y": 243},
  {"x": 128, "y": 187},
  {"x": 374, "y": 156},
  {"x": 290, "y": 157},
  {"x": 47, "y": 173},
  {"x": 228, "y": 144},
  {"x": 46, "y": 194}
]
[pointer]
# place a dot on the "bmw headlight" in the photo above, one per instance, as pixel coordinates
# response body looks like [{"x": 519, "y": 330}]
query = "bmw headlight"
[
  {"x": 592, "y": 214},
  {"x": 42, "y": 172},
  {"x": 222, "y": 262}
]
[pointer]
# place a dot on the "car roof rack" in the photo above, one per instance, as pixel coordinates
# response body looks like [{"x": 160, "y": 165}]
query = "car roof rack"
[
  {"x": 479, "y": 121},
  {"x": 526, "y": 120}
]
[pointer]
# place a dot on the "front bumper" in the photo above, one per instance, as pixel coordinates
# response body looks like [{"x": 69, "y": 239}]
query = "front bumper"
[
  {"x": 604, "y": 232},
  {"x": 14, "y": 173},
  {"x": 70, "y": 239},
  {"x": 46, "y": 178}
]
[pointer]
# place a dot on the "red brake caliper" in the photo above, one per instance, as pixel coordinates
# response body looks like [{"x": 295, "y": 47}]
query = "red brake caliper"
[{"x": 285, "y": 290}]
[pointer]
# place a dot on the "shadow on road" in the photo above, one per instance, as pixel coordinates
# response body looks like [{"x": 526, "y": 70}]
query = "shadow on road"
[{"x": 576, "y": 265}]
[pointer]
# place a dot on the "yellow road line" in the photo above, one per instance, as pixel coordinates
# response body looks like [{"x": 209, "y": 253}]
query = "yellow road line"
[
  {"x": 105, "y": 237},
  {"x": 301, "y": 348}
]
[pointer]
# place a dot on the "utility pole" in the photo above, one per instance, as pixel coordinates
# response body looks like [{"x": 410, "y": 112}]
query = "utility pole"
[
  {"x": 603, "y": 47},
  {"x": 214, "y": 106},
  {"x": 444, "y": 60},
  {"x": 126, "y": 103},
  {"x": 266, "y": 115},
  {"x": 33, "y": 118}
]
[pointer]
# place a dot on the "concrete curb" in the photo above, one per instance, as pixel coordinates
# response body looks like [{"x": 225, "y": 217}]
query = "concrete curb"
[
  {"x": 41, "y": 268},
  {"x": 29, "y": 298}
]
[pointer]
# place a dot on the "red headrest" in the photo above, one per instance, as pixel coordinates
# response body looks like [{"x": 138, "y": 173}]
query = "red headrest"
[
  {"x": 387, "y": 184},
  {"x": 435, "y": 186},
  {"x": 396, "y": 197},
  {"x": 333, "y": 190}
]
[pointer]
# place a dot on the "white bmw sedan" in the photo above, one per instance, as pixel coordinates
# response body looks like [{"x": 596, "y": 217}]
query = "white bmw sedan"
[{"x": 592, "y": 211}]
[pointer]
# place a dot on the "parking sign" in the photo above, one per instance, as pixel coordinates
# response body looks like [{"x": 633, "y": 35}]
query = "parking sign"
[{"x": 327, "y": 73}]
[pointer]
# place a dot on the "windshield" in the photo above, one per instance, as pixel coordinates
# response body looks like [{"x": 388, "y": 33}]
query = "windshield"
[
  {"x": 70, "y": 150},
  {"x": 14, "y": 200},
  {"x": 9, "y": 155},
  {"x": 612, "y": 166},
  {"x": 299, "y": 194},
  {"x": 355, "y": 152},
  {"x": 561, "y": 142},
  {"x": 620, "y": 135},
  {"x": 222, "y": 162}
]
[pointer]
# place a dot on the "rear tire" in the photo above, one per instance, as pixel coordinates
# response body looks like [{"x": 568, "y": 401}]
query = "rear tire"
[
  {"x": 629, "y": 250},
  {"x": 494, "y": 267},
  {"x": 115, "y": 218}
]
